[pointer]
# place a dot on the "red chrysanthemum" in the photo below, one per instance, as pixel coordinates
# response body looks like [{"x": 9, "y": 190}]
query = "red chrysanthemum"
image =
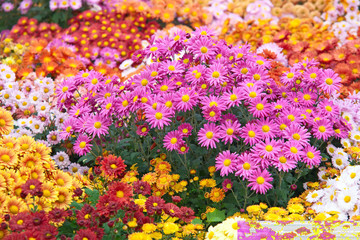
[
  {"x": 31, "y": 187},
  {"x": 187, "y": 214},
  {"x": 113, "y": 166},
  {"x": 86, "y": 216},
  {"x": 85, "y": 234},
  {"x": 141, "y": 187},
  {"x": 154, "y": 204},
  {"x": 120, "y": 192}
]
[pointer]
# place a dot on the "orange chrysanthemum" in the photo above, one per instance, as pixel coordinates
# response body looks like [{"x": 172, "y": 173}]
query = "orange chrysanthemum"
[
  {"x": 217, "y": 194},
  {"x": 6, "y": 122},
  {"x": 8, "y": 157}
]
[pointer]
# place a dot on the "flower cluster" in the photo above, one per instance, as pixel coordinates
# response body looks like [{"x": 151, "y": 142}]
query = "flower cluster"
[{"x": 11, "y": 53}]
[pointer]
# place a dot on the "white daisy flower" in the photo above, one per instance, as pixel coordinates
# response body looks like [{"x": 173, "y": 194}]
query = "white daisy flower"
[
  {"x": 315, "y": 195},
  {"x": 37, "y": 126},
  {"x": 350, "y": 175},
  {"x": 322, "y": 175},
  {"x": 331, "y": 149},
  {"x": 126, "y": 64},
  {"x": 61, "y": 159},
  {"x": 355, "y": 135},
  {"x": 340, "y": 161},
  {"x": 347, "y": 199},
  {"x": 345, "y": 142}
]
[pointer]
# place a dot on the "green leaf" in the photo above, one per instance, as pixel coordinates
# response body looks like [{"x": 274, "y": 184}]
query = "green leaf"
[
  {"x": 196, "y": 221},
  {"x": 76, "y": 205},
  {"x": 93, "y": 195},
  {"x": 215, "y": 216}
]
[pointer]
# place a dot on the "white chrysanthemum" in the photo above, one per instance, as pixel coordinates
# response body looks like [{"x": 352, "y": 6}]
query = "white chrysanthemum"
[
  {"x": 126, "y": 64},
  {"x": 37, "y": 126},
  {"x": 22, "y": 122},
  {"x": 7, "y": 75},
  {"x": 35, "y": 97},
  {"x": 314, "y": 196},
  {"x": 214, "y": 233},
  {"x": 347, "y": 116},
  {"x": 347, "y": 199},
  {"x": 345, "y": 142},
  {"x": 18, "y": 96},
  {"x": 6, "y": 96},
  {"x": 331, "y": 149},
  {"x": 340, "y": 161},
  {"x": 355, "y": 135},
  {"x": 340, "y": 151},
  {"x": 350, "y": 175},
  {"x": 61, "y": 159},
  {"x": 24, "y": 103},
  {"x": 25, "y": 132},
  {"x": 75, "y": 168},
  {"x": 329, "y": 195},
  {"x": 11, "y": 86},
  {"x": 43, "y": 107},
  {"x": 230, "y": 227},
  {"x": 318, "y": 207}
]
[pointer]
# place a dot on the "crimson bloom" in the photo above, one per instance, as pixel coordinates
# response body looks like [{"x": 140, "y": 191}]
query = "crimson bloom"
[{"x": 112, "y": 166}]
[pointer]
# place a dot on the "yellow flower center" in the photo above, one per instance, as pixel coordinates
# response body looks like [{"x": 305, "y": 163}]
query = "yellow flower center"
[
  {"x": 296, "y": 136},
  {"x": 259, "y": 106},
  {"x": 82, "y": 145},
  {"x": 290, "y": 75},
  {"x": 94, "y": 81},
  {"x": 282, "y": 159},
  {"x": 265, "y": 128},
  {"x": 5, "y": 158},
  {"x": 233, "y": 97},
  {"x": 212, "y": 114},
  {"x": 347, "y": 199},
  {"x": 64, "y": 89},
  {"x": 293, "y": 150},
  {"x": 251, "y": 134},
  {"x": 229, "y": 131},
  {"x": 209, "y": 135},
  {"x": 246, "y": 166},
  {"x": 329, "y": 81},
  {"x": 97, "y": 125},
  {"x": 24, "y": 146},
  {"x": 14, "y": 209},
  {"x": 268, "y": 148},
  {"x": 260, "y": 180},
  {"x": 203, "y": 49},
  {"x": 227, "y": 162},
  {"x": 164, "y": 88},
  {"x": 313, "y": 75},
  {"x": 185, "y": 98},
  {"x": 144, "y": 82},
  {"x": 173, "y": 140},
  {"x": 171, "y": 68},
  {"x": 113, "y": 166},
  {"x": 252, "y": 94},
  {"x": 125, "y": 103},
  {"x": 46, "y": 193},
  {"x": 322, "y": 129},
  {"x": 120, "y": 194},
  {"x": 256, "y": 77},
  {"x": 158, "y": 115},
  {"x": 215, "y": 74}
]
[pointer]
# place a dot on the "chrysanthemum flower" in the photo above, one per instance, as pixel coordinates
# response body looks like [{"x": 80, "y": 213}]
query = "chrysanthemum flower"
[
  {"x": 97, "y": 126},
  {"x": 8, "y": 157},
  {"x": 158, "y": 117},
  {"x": 246, "y": 166},
  {"x": 330, "y": 81},
  {"x": 293, "y": 150},
  {"x": 260, "y": 181},
  {"x": 82, "y": 145},
  {"x": 6, "y": 122},
  {"x": 173, "y": 140},
  {"x": 120, "y": 192},
  {"x": 209, "y": 135},
  {"x": 216, "y": 74},
  {"x": 185, "y": 99},
  {"x": 322, "y": 129},
  {"x": 31, "y": 186},
  {"x": 217, "y": 194},
  {"x": 259, "y": 108},
  {"x": 203, "y": 49},
  {"x": 112, "y": 166},
  {"x": 154, "y": 205},
  {"x": 250, "y": 133},
  {"x": 185, "y": 129},
  {"x": 283, "y": 163},
  {"x": 268, "y": 149},
  {"x": 229, "y": 131},
  {"x": 311, "y": 156},
  {"x": 226, "y": 162},
  {"x": 298, "y": 134},
  {"x": 227, "y": 185}
]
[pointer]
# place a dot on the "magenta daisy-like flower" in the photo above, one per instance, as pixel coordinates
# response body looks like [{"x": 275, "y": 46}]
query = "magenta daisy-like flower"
[
  {"x": 97, "y": 126},
  {"x": 246, "y": 166},
  {"x": 173, "y": 140},
  {"x": 203, "y": 49},
  {"x": 250, "y": 133},
  {"x": 268, "y": 128},
  {"x": 233, "y": 98},
  {"x": 226, "y": 162},
  {"x": 293, "y": 150},
  {"x": 183, "y": 148},
  {"x": 227, "y": 185},
  {"x": 212, "y": 101},
  {"x": 229, "y": 131},
  {"x": 268, "y": 149},
  {"x": 185, "y": 99},
  {"x": 216, "y": 74},
  {"x": 260, "y": 108},
  {"x": 69, "y": 126},
  {"x": 312, "y": 75},
  {"x": 159, "y": 117},
  {"x": 209, "y": 135},
  {"x": 290, "y": 77},
  {"x": 283, "y": 163},
  {"x": 185, "y": 129},
  {"x": 311, "y": 156},
  {"x": 142, "y": 130},
  {"x": 298, "y": 134},
  {"x": 322, "y": 129},
  {"x": 172, "y": 67},
  {"x": 212, "y": 114},
  {"x": 260, "y": 181},
  {"x": 196, "y": 74},
  {"x": 82, "y": 145},
  {"x": 228, "y": 117},
  {"x": 330, "y": 81}
]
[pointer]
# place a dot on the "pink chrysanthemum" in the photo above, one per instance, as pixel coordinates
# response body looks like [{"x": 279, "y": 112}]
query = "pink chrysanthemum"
[
  {"x": 203, "y": 49},
  {"x": 322, "y": 129},
  {"x": 227, "y": 185},
  {"x": 185, "y": 99},
  {"x": 267, "y": 127},
  {"x": 82, "y": 145},
  {"x": 260, "y": 108},
  {"x": 298, "y": 134},
  {"x": 158, "y": 118},
  {"x": 251, "y": 133},
  {"x": 172, "y": 140},
  {"x": 185, "y": 129},
  {"x": 267, "y": 149},
  {"x": 97, "y": 126},
  {"x": 311, "y": 156},
  {"x": 212, "y": 114},
  {"x": 142, "y": 130},
  {"x": 209, "y": 135},
  {"x": 226, "y": 162},
  {"x": 232, "y": 98},
  {"x": 293, "y": 150},
  {"x": 216, "y": 74},
  {"x": 183, "y": 148},
  {"x": 260, "y": 181},
  {"x": 229, "y": 131},
  {"x": 283, "y": 163},
  {"x": 330, "y": 81},
  {"x": 246, "y": 166}
]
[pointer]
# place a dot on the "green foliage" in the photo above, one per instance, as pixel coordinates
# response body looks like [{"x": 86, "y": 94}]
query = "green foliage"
[{"x": 215, "y": 216}]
